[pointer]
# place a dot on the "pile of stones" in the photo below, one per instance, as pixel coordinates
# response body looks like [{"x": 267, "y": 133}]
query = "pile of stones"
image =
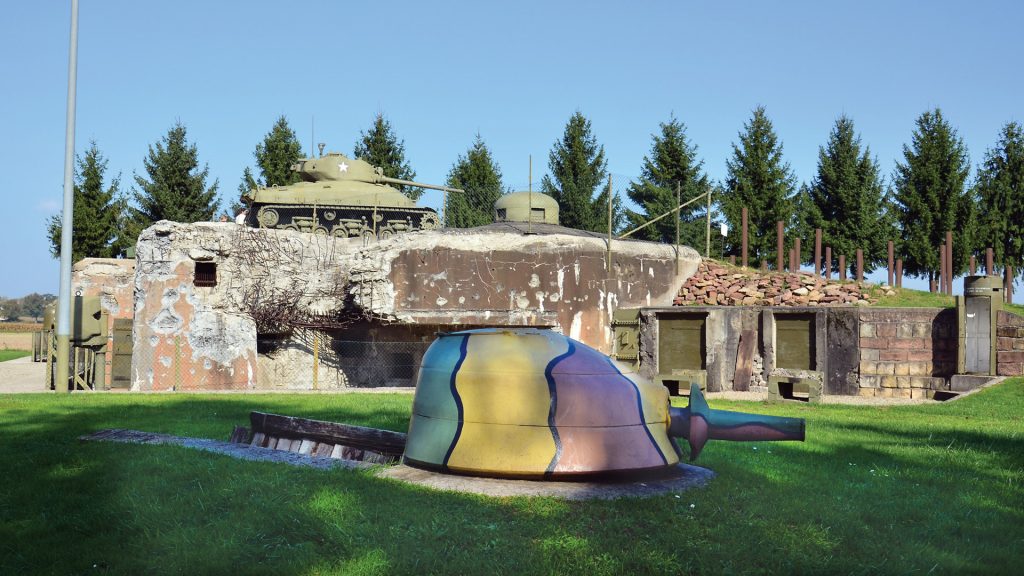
[{"x": 717, "y": 285}]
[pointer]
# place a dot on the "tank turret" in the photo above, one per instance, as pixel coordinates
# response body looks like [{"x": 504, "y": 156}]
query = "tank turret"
[{"x": 342, "y": 197}]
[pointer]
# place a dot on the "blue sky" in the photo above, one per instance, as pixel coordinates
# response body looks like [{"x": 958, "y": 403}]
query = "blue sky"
[{"x": 514, "y": 72}]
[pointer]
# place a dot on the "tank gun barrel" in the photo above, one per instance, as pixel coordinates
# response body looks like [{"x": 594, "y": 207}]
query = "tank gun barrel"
[
  {"x": 389, "y": 180},
  {"x": 698, "y": 423}
]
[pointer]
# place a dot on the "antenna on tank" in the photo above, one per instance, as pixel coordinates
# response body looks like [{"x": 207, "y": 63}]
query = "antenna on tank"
[{"x": 529, "y": 188}]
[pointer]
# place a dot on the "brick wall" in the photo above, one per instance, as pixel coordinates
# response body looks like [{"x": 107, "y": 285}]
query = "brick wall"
[
  {"x": 1009, "y": 344},
  {"x": 906, "y": 353}
]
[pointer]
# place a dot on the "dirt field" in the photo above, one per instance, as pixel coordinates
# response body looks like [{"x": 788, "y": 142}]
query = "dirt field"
[{"x": 16, "y": 340}]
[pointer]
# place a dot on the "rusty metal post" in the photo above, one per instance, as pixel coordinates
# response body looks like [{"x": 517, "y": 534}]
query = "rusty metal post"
[
  {"x": 989, "y": 262},
  {"x": 764, "y": 265},
  {"x": 842, "y": 267},
  {"x": 778, "y": 246},
  {"x": 1009, "y": 284},
  {"x": 828, "y": 263},
  {"x": 950, "y": 267},
  {"x": 792, "y": 259},
  {"x": 889, "y": 250},
  {"x": 860, "y": 265},
  {"x": 744, "y": 247},
  {"x": 732, "y": 259},
  {"x": 899, "y": 272},
  {"x": 974, "y": 265},
  {"x": 817, "y": 251},
  {"x": 942, "y": 269}
]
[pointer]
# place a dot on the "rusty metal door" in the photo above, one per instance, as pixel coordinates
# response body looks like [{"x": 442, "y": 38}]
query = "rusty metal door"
[
  {"x": 682, "y": 343},
  {"x": 978, "y": 335},
  {"x": 121, "y": 358},
  {"x": 794, "y": 341}
]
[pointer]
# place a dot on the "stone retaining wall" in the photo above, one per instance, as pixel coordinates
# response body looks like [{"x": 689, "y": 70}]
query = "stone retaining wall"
[
  {"x": 1009, "y": 344},
  {"x": 907, "y": 353}
]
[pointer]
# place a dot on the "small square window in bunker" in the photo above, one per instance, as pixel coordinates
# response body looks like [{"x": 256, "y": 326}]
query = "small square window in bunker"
[{"x": 206, "y": 274}]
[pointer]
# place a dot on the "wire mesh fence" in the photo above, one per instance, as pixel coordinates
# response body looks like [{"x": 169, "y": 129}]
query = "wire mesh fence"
[{"x": 304, "y": 360}]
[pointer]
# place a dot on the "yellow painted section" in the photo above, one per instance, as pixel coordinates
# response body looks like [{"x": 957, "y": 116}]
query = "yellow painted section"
[
  {"x": 506, "y": 401},
  {"x": 654, "y": 400},
  {"x": 503, "y": 449}
]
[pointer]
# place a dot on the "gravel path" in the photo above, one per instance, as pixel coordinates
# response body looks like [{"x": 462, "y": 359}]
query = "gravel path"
[
  {"x": 676, "y": 480},
  {"x": 22, "y": 375}
]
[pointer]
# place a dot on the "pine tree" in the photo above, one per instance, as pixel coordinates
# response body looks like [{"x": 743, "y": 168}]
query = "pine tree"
[
  {"x": 1000, "y": 191},
  {"x": 672, "y": 163},
  {"x": 478, "y": 174},
  {"x": 931, "y": 198},
  {"x": 758, "y": 179},
  {"x": 97, "y": 211},
  {"x": 849, "y": 203},
  {"x": 578, "y": 170},
  {"x": 379, "y": 146},
  {"x": 277, "y": 153},
  {"x": 176, "y": 188}
]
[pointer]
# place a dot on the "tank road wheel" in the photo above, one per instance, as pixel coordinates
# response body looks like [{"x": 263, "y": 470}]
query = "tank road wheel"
[
  {"x": 385, "y": 233},
  {"x": 430, "y": 222},
  {"x": 267, "y": 217},
  {"x": 367, "y": 235},
  {"x": 292, "y": 227},
  {"x": 339, "y": 231},
  {"x": 320, "y": 230}
]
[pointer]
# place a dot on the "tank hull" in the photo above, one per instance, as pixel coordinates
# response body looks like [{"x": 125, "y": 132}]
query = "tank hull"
[{"x": 342, "y": 220}]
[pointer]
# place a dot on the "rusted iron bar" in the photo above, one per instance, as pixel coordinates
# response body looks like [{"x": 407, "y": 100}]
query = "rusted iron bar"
[
  {"x": 989, "y": 262},
  {"x": 828, "y": 262},
  {"x": 860, "y": 265},
  {"x": 817, "y": 252},
  {"x": 778, "y": 246},
  {"x": 950, "y": 267},
  {"x": 889, "y": 251},
  {"x": 842, "y": 267},
  {"x": 744, "y": 247},
  {"x": 974, "y": 265},
  {"x": 899, "y": 272},
  {"x": 942, "y": 269}
]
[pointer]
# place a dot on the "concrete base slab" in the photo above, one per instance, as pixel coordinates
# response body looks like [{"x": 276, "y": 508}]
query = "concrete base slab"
[{"x": 677, "y": 479}]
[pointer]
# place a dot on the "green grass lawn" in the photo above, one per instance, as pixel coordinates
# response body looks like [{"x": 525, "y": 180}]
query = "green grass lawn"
[
  {"x": 6, "y": 355},
  {"x": 936, "y": 489}
]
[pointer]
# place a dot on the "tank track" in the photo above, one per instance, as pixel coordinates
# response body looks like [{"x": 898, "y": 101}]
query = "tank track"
[{"x": 342, "y": 221}]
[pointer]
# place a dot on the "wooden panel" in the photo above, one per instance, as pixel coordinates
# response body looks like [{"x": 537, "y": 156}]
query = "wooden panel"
[
  {"x": 383, "y": 441},
  {"x": 745, "y": 360}
]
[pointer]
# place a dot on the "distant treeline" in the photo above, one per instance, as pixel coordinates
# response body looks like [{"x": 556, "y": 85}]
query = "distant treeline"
[{"x": 30, "y": 306}]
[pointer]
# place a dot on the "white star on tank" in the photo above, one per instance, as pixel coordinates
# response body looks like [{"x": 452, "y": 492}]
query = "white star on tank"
[{"x": 343, "y": 167}]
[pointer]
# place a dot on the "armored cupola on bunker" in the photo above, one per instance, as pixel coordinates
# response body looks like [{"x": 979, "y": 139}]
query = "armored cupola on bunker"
[{"x": 343, "y": 197}]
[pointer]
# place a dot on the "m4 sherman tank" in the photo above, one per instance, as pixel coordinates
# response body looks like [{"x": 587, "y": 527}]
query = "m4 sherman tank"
[{"x": 342, "y": 197}]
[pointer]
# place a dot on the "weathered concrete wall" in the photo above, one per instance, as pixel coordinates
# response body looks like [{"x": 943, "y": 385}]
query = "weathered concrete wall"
[
  {"x": 113, "y": 281},
  {"x": 886, "y": 352},
  {"x": 1009, "y": 344},
  {"x": 195, "y": 337}
]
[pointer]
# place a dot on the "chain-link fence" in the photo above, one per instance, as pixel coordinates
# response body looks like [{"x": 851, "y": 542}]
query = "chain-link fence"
[{"x": 304, "y": 360}]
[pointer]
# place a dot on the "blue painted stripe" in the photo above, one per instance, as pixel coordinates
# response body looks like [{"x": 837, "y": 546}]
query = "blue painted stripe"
[
  {"x": 553, "y": 392},
  {"x": 640, "y": 409},
  {"x": 463, "y": 347}
]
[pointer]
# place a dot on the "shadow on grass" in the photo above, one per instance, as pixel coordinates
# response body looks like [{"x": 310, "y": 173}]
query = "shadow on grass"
[{"x": 871, "y": 491}]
